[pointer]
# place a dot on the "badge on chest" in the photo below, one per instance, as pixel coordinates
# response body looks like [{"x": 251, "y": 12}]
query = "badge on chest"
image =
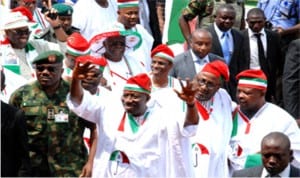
[{"x": 59, "y": 115}]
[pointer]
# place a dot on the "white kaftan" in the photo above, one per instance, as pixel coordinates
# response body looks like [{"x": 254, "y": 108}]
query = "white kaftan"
[
  {"x": 210, "y": 144},
  {"x": 117, "y": 73},
  {"x": 155, "y": 150},
  {"x": 248, "y": 133}
]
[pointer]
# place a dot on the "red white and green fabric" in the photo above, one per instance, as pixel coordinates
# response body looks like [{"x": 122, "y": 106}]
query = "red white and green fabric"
[
  {"x": 215, "y": 122},
  {"x": 135, "y": 87},
  {"x": 76, "y": 52},
  {"x": 172, "y": 33},
  {"x": 165, "y": 56},
  {"x": 200, "y": 158},
  {"x": 11, "y": 61},
  {"x": 253, "y": 83},
  {"x": 118, "y": 163},
  {"x": 133, "y": 40},
  {"x": 132, "y": 122},
  {"x": 127, "y": 3}
]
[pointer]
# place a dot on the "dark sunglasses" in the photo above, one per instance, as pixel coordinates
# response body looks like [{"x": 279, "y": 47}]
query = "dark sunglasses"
[
  {"x": 21, "y": 32},
  {"x": 117, "y": 43},
  {"x": 49, "y": 68}
]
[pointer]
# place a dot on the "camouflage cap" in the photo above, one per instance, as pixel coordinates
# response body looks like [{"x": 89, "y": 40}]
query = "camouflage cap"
[{"x": 50, "y": 56}]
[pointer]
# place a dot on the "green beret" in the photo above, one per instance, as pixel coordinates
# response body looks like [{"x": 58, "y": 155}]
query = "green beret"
[
  {"x": 63, "y": 9},
  {"x": 50, "y": 56}
]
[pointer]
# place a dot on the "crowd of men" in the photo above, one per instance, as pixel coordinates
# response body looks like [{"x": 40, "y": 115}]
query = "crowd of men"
[{"x": 89, "y": 90}]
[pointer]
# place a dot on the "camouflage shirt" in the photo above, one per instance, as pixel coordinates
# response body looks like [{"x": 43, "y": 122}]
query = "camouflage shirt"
[
  {"x": 196, "y": 8},
  {"x": 55, "y": 133}
]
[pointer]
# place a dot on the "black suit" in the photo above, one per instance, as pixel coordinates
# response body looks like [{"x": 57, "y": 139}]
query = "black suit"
[
  {"x": 257, "y": 172},
  {"x": 237, "y": 62},
  {"x": 14, "y": 147},
  {"x": 291, "y": 79},
  {"x": 273, "y": 59}
]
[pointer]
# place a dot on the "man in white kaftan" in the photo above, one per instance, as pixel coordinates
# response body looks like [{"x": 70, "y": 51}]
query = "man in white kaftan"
[
  {"x": 209, "y": 145},
  {"x": 112, "y": 45},
  {"x": 128, "y": 17},
  {"x": 17, "y": 51},
  {"x": 147, "y": 145},
  {"x": 250, "y": 127},
  {"x": 162, "y": 84}
]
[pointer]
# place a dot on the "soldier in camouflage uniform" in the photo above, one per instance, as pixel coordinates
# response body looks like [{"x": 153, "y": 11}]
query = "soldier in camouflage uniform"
[
  {"x": 56, "y": 146},
  {"x": 195, "y": 8}
]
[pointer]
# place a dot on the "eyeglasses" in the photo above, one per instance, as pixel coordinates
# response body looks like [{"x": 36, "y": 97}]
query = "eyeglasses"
[
  {"x": 209, "y": 85},
  {"x": 21, "y": 32},
  {"x": 117, "y": 43},
  {"x": 49, "y": 68}
]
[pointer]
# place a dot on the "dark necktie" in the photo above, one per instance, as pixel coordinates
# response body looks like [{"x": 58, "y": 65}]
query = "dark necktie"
[{"x": 261, "y": 55}]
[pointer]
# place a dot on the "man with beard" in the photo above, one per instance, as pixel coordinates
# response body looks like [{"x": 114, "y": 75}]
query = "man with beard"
[
  {"x": 276, "y": 157},
  {"x": 56, "y": 146},
  {"x": 254, "y": 118},
  {"x": 209, "y": 156}
]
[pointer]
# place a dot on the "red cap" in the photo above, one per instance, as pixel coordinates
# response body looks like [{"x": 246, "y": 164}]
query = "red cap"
[
  {"x": 218, "y": 68},
  {"x": 77, "y": 45},
  {"x": 140, "y": 83},
  {"x": 26, "y": 12},
  {"x": 163, "y": 51},
  {"x": 99, "y": 61},
  {"x": 253, "y": 79}
]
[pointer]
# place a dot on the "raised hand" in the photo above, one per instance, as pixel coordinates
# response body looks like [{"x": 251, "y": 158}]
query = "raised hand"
[
  {"x": 187, "y": 93},
  {"x": 81, "y": 69}
]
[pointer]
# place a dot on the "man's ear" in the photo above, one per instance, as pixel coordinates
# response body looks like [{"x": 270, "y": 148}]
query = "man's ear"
[
  {"x": 291, "y": 155},
  {"x": 148, "y": 97},
  {"x": 118, "y": 12}
]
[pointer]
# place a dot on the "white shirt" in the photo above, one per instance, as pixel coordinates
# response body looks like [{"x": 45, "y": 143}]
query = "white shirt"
[
  {"x": 254, "y": 59},
  {"x": 284, "y": 173},
  {"x": 196, "y": 59}
]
